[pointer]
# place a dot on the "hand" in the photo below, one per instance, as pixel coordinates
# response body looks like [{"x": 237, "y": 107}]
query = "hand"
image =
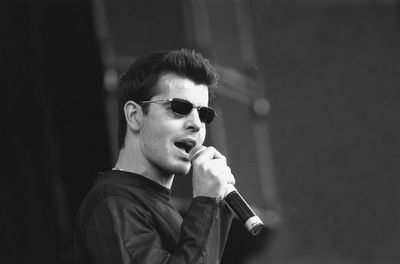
[{"x": 212, "y": 177}]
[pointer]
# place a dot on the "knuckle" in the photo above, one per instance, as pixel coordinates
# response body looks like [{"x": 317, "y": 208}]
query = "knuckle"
[
  {"x": 233, "y": 181},
  {"x": 211, "y": 148},
  {"x": 204, "y": 167},
  {"x": 214, "y": 171}
]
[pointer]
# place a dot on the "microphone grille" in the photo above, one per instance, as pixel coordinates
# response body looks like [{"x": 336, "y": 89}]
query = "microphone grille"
[{"x": 195, "y": 152}]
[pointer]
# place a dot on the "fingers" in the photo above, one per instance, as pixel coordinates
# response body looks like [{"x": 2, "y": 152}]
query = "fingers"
[
  {"x": 206, "y": 154},
  {"x": 219, "y": 168},
  {"x": 211, "y": 175},
  {"x": 212, "y": 161}
]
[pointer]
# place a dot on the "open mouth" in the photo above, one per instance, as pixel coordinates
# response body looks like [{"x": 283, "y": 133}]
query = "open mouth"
[{"x": 185, "y": 146}]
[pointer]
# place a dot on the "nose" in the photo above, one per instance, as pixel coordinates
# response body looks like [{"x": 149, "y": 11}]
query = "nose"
[{"x": 193, "y": 120}]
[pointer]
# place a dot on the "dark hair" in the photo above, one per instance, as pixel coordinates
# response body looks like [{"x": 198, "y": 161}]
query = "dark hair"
[{"x": 139, "y": 82}]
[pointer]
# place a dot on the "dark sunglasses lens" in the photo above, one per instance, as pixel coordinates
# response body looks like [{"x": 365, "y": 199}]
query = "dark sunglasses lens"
[
  {"x": 207, "y": 114},
  {"x": 181, "y": 107}
]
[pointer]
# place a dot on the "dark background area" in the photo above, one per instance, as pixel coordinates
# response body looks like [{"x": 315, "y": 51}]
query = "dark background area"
[
  {"x": 331, "y": 73},
  {"x": 333, "y": 79},
  {"x": 55, "y": 136}
]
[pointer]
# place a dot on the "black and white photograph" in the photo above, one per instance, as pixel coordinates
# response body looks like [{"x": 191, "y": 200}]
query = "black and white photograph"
[{"x": 200, "y": 131}]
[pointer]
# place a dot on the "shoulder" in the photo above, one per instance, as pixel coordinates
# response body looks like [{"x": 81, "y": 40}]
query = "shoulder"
[
  {"x": 109, "y": 197},
  {"x": 113, "y": 194},
  {"x": 114, "y": 186}
]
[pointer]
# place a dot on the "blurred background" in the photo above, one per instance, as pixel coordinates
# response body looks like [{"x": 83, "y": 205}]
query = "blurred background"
[{"x": 308, "y": 116}]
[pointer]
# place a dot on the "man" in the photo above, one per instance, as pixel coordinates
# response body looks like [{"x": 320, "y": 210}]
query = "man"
[{"x": 127, "y": 216}]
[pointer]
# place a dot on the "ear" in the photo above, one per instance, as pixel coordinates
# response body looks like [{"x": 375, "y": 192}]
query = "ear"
[{"x": 133, "y": 115}]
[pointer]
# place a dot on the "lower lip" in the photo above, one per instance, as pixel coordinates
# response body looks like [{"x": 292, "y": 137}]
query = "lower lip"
[{"x": 183, "y": 152}]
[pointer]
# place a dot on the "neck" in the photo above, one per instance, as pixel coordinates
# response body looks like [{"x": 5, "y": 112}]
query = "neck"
[{"x": 128, "y": 162}]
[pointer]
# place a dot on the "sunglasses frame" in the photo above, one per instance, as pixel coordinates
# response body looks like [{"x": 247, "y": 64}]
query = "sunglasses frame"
[{"x": 180, "y": 100}]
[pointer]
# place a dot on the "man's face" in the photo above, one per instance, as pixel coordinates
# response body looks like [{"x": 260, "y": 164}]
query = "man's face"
[{"x": 165, "y": 136}]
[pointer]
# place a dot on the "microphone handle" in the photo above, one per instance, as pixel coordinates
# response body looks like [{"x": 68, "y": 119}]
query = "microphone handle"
[
  {"x": 236, "y": 202},
  {"x": 250, "y": 220}
]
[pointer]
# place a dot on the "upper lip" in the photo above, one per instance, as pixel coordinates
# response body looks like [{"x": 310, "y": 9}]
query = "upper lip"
[{"x": 187, "y": 143}]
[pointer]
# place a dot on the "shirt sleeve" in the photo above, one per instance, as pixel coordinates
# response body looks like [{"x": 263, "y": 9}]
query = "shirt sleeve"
[
  {"x": 204, "y": 231},
  {"x": 118, "y": 233}
]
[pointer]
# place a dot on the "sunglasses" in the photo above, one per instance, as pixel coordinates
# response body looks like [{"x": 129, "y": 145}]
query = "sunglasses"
[{"x": 183, "y": 107}]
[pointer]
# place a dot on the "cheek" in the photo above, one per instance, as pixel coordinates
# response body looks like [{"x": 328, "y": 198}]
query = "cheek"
[
  {"x": 202, "y": 136},
  {"x": 156, "y": 135},
  {"x": 149, "y": 137}
]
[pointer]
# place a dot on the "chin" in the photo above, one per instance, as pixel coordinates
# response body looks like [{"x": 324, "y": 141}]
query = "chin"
[{"x": 181, "y": 169}]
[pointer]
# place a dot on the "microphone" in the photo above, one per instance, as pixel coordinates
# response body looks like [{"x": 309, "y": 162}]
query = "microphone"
[{"x": 236, "y": 202}]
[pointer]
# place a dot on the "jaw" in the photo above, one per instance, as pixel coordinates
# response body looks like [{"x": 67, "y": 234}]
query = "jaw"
[{"x": 176, "y": 162}]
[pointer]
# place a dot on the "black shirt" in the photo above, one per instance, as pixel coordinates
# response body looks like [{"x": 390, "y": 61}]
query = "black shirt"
[{"x": 127, "y": 218}]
